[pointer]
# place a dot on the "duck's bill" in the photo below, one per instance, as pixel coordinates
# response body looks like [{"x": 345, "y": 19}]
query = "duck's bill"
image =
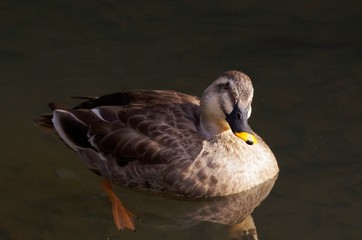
[
  {"x": 238, "y": 121},
  {"x": 247, "y": 137}
]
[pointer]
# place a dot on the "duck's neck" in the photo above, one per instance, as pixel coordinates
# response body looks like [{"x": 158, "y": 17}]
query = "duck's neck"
[
  {"x": 211, "y": 125},
  {"x": 212, "y": 118}
]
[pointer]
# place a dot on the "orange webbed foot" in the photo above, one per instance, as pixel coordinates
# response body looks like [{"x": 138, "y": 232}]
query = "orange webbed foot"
[{"x": 122, "y": 217}]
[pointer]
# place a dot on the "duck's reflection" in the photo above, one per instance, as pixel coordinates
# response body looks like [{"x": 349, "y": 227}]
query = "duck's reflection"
[{"x": 179, "y": 214}]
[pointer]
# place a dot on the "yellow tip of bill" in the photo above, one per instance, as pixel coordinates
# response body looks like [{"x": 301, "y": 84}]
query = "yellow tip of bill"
[{"x": 247, "y": 137}]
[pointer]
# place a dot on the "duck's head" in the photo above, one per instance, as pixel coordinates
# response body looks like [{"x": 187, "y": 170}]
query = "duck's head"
[{"x": 226, "y": 105}]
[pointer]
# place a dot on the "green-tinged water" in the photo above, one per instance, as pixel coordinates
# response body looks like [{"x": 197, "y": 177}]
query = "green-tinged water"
[{"x": 305, "y": 60}]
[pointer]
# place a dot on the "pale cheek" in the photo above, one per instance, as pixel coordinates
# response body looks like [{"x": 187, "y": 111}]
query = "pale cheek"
[{"x": 228, "y": 107}]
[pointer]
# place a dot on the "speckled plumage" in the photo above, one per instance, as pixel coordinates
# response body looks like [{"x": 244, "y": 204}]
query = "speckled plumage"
[{"x": 164, "y": 141}]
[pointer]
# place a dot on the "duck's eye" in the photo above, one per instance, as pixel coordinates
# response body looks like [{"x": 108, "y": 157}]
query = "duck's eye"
[{"x": 226, "y": 86}]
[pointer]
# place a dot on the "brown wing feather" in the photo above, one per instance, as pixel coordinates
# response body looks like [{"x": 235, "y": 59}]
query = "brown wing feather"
[
  {"x": 151, "y": 135},
  {"x": 152, "y": 127}
]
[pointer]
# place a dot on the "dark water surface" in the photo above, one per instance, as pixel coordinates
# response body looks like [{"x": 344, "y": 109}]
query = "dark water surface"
[{"x": 305, "y": 58}]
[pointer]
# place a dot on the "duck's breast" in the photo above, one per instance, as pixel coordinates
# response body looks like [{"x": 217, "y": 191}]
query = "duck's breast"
[{"x": 227, "y": 165}]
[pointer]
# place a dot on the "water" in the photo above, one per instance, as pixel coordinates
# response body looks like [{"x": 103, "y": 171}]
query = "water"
[{"x": 305, "y": 62}]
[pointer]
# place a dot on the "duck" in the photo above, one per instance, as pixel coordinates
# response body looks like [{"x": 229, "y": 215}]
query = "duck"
[{"x": 166, "y": 142}]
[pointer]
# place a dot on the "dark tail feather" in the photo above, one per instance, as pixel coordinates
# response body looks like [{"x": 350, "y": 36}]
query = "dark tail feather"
[
  {"x": 71, "y": 129},
  {"x": 45, "y": 121}
]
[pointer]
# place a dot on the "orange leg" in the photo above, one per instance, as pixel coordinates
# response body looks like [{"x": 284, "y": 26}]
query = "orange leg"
[{"x": 122, "y": 217}]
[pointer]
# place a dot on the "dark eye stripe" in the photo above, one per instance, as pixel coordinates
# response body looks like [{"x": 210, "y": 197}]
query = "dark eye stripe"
[{"x": 225, "y": 86}]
